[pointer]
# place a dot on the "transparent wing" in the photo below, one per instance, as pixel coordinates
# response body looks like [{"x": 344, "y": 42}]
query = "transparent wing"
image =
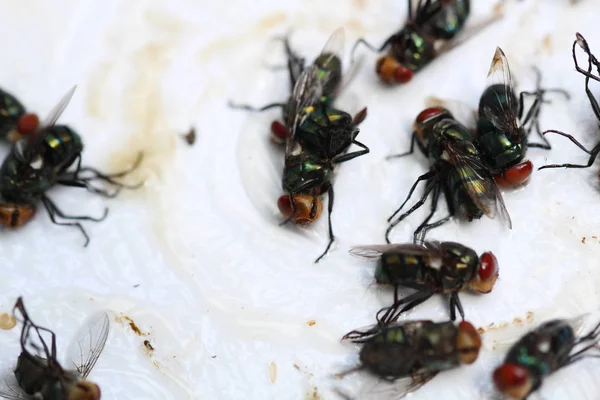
[
  {"x": 398, "y": 389},
  {"x": 309, "y": 87},
  {"x": 89, "y": 343},
  {"x": 307, "y": 91},
  {"x": 27, "y": 146},
  {"x": 375, "y": 251},
  {"x": 504, "y": 112},
  {"x": 476, "y": 179},
  {"x": 10, "y": 389}
]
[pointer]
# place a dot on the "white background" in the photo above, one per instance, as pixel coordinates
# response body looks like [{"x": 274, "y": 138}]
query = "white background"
[{"x": 223, "y": 290}]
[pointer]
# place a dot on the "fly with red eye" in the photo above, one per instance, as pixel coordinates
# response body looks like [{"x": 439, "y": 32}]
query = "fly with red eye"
[
  {"x": 455, "y": 170},
  {"x": 504, "y": 124},
  {"x": 541, "y": 352},
  {"x": 445, "y": 268},
  {"x": 45, "y": 157},
  {"x": 430, "y": 30}
]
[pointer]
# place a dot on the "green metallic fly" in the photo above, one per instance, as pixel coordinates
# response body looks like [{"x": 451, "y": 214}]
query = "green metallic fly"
[
  {"x": 456, "y": 169},
  {"x": 541, "y": 352},
  {"x": 317, "y": 135},
  {"x": 409, "y": 354},
  {"x": 40, "y": 160}
]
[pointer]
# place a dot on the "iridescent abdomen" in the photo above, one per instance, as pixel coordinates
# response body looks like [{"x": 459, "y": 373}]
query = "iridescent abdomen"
[
  {"x": 10, "y": 112},
  {"x": 403, "y": 269},
  {"x": 63, "y": 145},
  {"x": 498, "y": 150},
  {"x": 458, "y": 193},
  {"x": 451, "y": 19}
]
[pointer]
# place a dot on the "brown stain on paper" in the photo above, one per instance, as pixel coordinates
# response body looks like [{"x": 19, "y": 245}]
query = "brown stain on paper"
[
  {"x": 125, "y": 320},
  {"x": 258, "y": 30}
]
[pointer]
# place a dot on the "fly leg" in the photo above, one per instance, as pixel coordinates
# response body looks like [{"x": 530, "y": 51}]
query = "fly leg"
[
  {"x": 454, "y": 305},
  {"x": 354, "y": 154},
  {"x": 391, "y": 314},
  {"x": 423, "y": 177},
  {"x": 434, "y": 204},
  {"x": 54, "y": 211},
  {"x": 329, "y": 210},
  {"x": 426, "y": 228},
  {"x": 593, "y": 153},
  {"x": 532, "y": 116},
  {"x": 76, "y": 180},
  {"x": 591, "y": 58},
  {"x": 417, "y": 205},
  {"x": 248, "y": 107},
  {"x": 413, "y": 139},
  {"x": 590, "y": 337}
]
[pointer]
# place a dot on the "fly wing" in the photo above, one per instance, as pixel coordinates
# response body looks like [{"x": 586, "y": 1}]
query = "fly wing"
[
  {"x": 309, "y": 86},
  {"x": 398, "y": 389},
  {"x": 307, "y": 91},
  {"x": 504, "y": 113},
  {"x": 27, "y": 146},
  {"x": 476, "y": 179},
  {"x": 10, "y": 389},
  {"x": 375, "y": 251},
  {"x": 86, "y": 349}
]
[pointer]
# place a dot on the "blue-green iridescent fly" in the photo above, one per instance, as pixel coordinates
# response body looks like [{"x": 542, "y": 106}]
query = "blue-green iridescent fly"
[
  {"x": 430, "y": 30},
  {"x": 541, "y": 352},
  {"x": 455, "y": 169},
  {"x": 317, "y": 135},
  {"x": 40, "y": 160}
]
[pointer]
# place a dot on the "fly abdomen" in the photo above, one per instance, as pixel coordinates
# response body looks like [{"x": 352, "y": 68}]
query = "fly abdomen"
[
  {"x": 451, "y": 19},
  {"x": 458, "y": 193},
  {"x": 30, "y": 373},
  {"x": 403, "y": 269},
  {"x": 63, "y": 145}
]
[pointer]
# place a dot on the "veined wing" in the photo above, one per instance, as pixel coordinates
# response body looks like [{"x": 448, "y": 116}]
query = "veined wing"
[
  {"x": 503, "y": 113},
  {"x": 89, "y": 343},
  {"x": 375, "y": 251},
  {"x": 311, "y": 84},
  {"x": 477, "y": 181},
  {"x": 10, "y": 389}
]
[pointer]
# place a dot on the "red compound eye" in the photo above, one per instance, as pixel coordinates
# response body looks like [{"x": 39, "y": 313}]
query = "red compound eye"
[
  {"x": 27, "y": 123},
  {"x": 488, "y": 266},
  {"x": 512, "y": 380},
  {"x": 515, "y": 176},
  {"x": 429, "y": 113},
  {"x": 402, "y": 74},
  {"x": 278, "y": 131}
]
